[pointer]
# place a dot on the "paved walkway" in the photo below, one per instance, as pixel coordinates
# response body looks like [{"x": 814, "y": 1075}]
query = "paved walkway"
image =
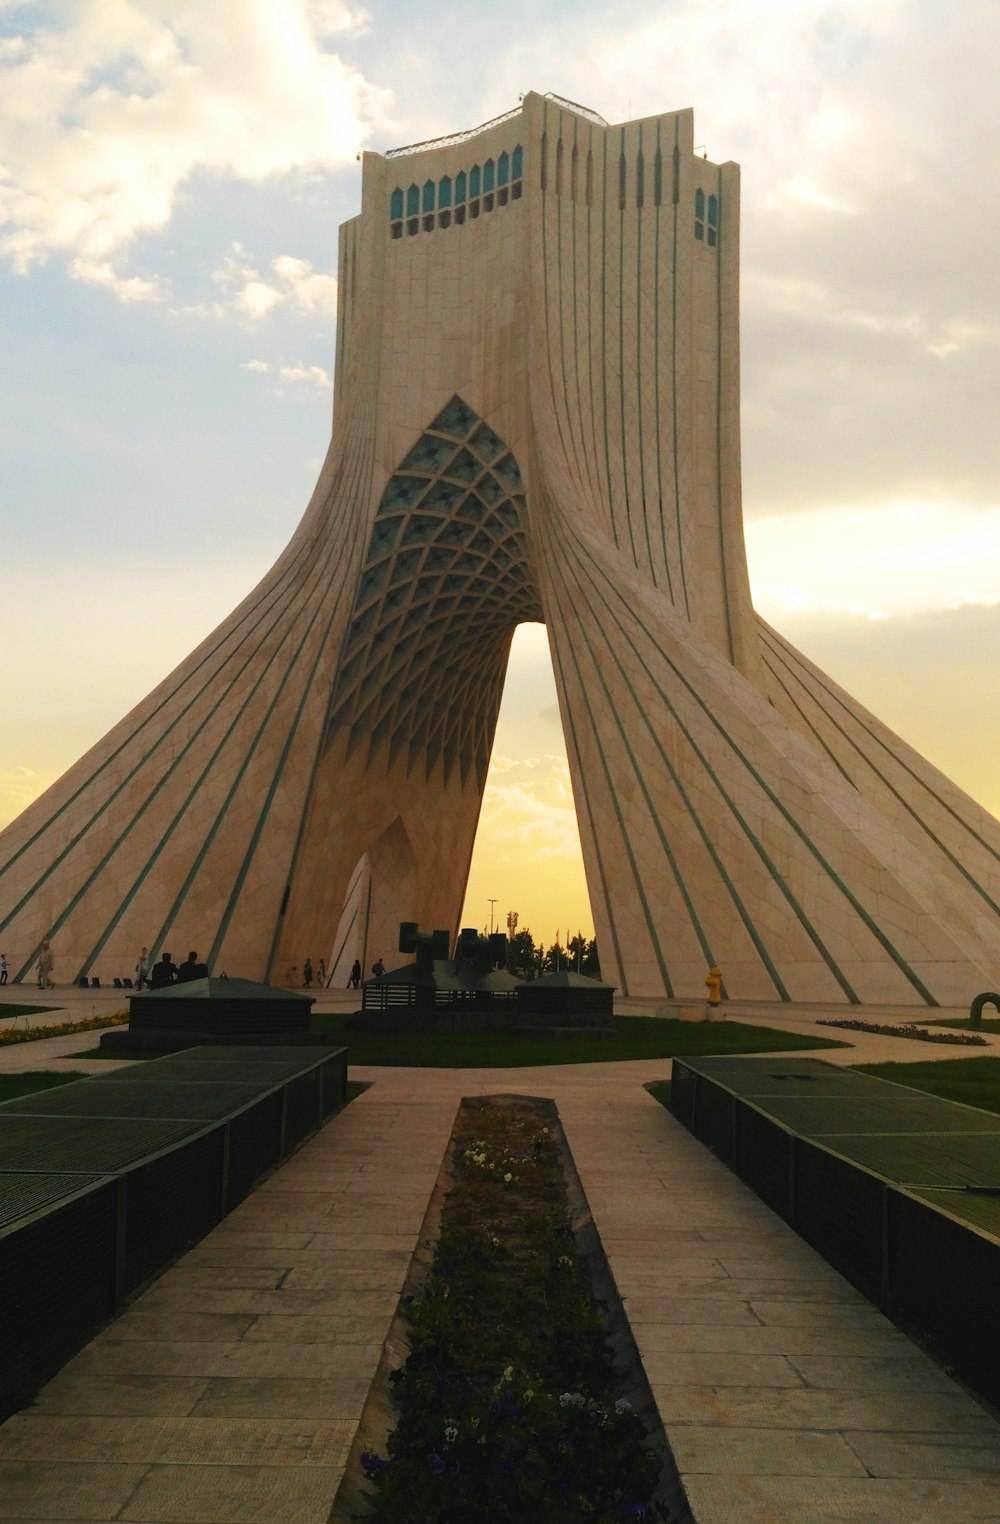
[{"x": 231, "y": 1390}]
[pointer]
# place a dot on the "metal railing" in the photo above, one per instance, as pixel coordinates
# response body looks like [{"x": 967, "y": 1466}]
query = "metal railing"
[{"x": 494, "y": 121}]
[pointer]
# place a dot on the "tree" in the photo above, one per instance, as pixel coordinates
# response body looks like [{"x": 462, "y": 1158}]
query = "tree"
[{"x": 521, "y": 954}]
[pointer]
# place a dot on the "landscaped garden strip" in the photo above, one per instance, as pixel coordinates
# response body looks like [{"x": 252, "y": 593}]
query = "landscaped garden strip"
[
  {"x": 509, "y": 1405},
  {"x": 63, "y": 1029},
  {"x": 31, "y": 1082},
  {"x": 917, "y": 1034},
  {"x": 634, "y": 1037},
  {"x": 973, "y": 1081}
]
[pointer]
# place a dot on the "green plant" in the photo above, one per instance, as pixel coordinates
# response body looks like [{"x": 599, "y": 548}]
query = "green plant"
[
  {"x": 34, "y": 1080},
  {"x": 974, "y": 1081},
  {"x": 634, "y": 1037},
  {"x": 508, "y": 1403},
  {"x": 63, "y": 1029}
]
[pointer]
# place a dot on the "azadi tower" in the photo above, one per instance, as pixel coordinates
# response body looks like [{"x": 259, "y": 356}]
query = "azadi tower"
[{"x": 536, "y": 418}]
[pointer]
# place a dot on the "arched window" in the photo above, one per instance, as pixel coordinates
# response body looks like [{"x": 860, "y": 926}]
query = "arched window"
[
  {"x": 489, "y": 172},
  {"x": 517, "y": 163},
  {"x": 460, "y": 186},
  {"x": 396, "y": 204},
  {"x": 622, "y": 176},
  {"x": 658, "y": 179},
  {"x": 503, "y": 168},
  {"x": 474, "y": 180},
  {"x": 640, "y": 180},
  {"x": 699, "y": 215},
  {"x": 413, "y": 201},
  {"x": 444, "y": 191},
  {"x": 713, "y": 220},
  {"x": 429, "y": 195}
]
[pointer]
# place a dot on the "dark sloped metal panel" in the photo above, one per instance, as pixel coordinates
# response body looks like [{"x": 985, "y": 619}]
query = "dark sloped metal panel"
[
  {"x": 57, "y": 1286},
  {"x": 763, "y": 1157},
  {"x": 170, "y": 1203},
  {"x": 103, "y": 1097},
  {"x": 254, "y": 1146},
  {"x": 840, "y": 1211},
  {"x": 91, "y": 1145},
  {"x": 944, "y": 1279}
]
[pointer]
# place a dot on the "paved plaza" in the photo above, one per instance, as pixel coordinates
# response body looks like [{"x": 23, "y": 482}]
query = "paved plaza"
[{"x": 233, "y": 1387}]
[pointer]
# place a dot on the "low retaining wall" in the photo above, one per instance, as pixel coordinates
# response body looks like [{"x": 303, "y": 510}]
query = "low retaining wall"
[
  {"x": 898, "y": 1190},
  {"x": 106, "y": 1180}
]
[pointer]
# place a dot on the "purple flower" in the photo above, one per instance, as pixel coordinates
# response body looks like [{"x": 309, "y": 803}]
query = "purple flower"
[{"x": 436, "y": 1464}]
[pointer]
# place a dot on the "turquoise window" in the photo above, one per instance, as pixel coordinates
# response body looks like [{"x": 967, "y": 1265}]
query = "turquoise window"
[
  {"x": 429, "y": 189},
  {"x": 413, "y": 200},
  {"x": 444, "y": 191},
  {"x": 503, "y": 168},
  {"x": 713, "y": 211},
  {"x": 396, "y": 204},
  {"x": 517, "y": 163},
  {"x": 474, "y": 178},
  {"x": 699, "y": 203},
  {"x": 460, "y": 186},
  {"x": 489, "y": 169}
]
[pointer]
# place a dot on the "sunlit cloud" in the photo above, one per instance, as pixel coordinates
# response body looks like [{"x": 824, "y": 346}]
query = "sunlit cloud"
[
  {"x": 107, "y": 115},
  {"x": 19, "y": 786},
  {"x": 894, "y": 558},
  {"x": 288, "y": 281},
  {"x": 294, "y": 377}
]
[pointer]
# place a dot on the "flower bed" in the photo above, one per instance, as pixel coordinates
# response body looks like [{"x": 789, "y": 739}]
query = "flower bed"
[
  {"x": 920, "y": 1034},
  {"x": 508, "y": 1405},
  {"x": 63, "y": 1029}
]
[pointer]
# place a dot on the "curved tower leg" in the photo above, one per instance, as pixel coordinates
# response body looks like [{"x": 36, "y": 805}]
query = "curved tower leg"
[{"x": 536, "y": 418}]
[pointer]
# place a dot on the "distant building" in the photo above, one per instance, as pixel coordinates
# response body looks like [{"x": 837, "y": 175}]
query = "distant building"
[{"x": 536, "y": 418}]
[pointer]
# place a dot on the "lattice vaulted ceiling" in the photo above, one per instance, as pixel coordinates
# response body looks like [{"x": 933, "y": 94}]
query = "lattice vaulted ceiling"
[{"x": 446, "y": 579}]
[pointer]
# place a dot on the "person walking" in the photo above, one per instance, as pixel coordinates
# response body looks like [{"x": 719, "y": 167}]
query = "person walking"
[
  {"x": 307, "y": 974},
  {"x": 3, "y": 968},
  {"x": 45, "y": 965},
  {"x": 142, "y": 968},
  {"x": 355, "y": 975}
]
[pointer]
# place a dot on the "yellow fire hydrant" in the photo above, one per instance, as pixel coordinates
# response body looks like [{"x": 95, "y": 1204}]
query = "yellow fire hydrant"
[{"x": 713, "y": 983}]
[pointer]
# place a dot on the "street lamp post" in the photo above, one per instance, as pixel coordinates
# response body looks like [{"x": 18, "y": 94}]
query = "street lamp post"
[{"x": 492, "y": 903}]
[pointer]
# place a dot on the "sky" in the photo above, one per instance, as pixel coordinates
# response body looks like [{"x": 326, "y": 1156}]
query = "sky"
[{"x": 172, "y": 177}]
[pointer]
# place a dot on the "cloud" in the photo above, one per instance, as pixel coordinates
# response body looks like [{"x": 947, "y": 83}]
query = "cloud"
[
  {"x": 876, "y": 560},
  {"x": 298, "y": 377},
  {"x": 19, "y": 786},
  {"x": 290, "y": 282},
  {"x": 106, "y": 116}
]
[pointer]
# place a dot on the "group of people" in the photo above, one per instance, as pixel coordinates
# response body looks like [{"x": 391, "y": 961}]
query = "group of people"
[
  {"x": 168, "y": 972},
  {"x": 308, "y": 975}
]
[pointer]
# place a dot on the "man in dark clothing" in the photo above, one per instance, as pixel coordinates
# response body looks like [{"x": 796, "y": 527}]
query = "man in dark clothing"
[
  {"x": 163, "y": 973},
  {"x": 191, "y": 969}
]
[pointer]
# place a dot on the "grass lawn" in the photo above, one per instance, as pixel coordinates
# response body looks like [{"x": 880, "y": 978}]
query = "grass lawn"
[
  {"x": 637, "y": 1037},
  {"x": 975, "y": 1081},
  {"x": 988, "y": 1024},
  {"x": 13, "y": 1085},
  {"x": 10, "y": 1011}
]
